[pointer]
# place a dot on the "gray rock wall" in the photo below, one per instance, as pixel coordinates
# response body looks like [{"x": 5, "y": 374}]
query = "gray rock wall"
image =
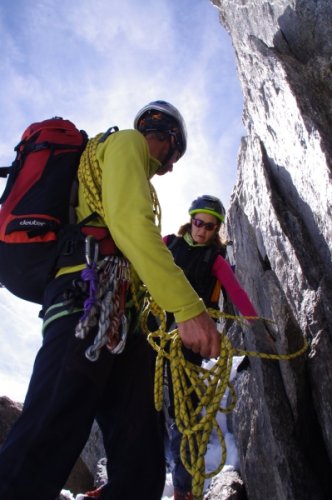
[{"x": 280, "y": 222}]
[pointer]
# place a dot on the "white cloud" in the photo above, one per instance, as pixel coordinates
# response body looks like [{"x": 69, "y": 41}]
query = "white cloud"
[{"x": 20, "y": 333}]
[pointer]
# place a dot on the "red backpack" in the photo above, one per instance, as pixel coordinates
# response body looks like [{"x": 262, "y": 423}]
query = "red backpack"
[{"x": 35, "y": 204}]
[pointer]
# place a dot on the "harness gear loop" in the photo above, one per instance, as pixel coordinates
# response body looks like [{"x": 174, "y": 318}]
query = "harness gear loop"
[
  {"x": 105, "y": 305},
  {"x": 199, "y": 393}
]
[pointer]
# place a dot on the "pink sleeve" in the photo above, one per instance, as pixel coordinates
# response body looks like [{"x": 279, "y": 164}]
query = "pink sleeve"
[{"x": 224, "y": 273}]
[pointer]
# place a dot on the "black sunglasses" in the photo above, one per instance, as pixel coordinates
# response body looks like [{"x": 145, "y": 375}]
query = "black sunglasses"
[{"x": 209, "y": 226}]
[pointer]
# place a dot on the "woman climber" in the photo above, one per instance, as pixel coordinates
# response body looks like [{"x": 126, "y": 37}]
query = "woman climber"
[{"x": 198, "y": 250}]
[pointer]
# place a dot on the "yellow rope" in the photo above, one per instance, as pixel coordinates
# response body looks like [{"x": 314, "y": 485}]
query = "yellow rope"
[
  {"x": 90, "y": 176},
  {"x": 207, "y": 387},
  {"x": 240, "y": 352}
]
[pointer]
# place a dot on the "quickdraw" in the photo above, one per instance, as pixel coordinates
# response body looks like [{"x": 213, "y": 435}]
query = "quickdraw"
[{"x": 109, "y": 282}]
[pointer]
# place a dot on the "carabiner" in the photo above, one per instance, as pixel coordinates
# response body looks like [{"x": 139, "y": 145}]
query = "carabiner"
[{"x": 89, "y": 241}]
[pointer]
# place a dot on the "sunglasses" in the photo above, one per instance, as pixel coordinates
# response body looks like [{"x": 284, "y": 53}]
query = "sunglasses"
[{"x": 209, "y": 226}]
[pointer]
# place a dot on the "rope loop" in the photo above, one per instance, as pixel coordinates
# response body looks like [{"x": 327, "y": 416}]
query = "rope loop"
[{"x": 198, "y": 392}]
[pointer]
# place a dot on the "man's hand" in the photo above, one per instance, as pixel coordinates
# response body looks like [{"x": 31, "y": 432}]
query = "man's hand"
[{"x": 200, "y": 334}]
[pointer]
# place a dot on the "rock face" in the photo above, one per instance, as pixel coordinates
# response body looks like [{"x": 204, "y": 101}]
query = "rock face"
[
  {"x": 281, "y": 225},
  {"x": 9, "y": 412},
  {"x": 226, "y": 486}
]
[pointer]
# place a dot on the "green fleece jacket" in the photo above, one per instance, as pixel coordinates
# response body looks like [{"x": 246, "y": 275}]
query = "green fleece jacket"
[{"x": 126, "y": 168}]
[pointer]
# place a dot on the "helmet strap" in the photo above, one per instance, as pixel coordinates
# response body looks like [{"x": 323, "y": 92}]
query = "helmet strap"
[{"x": 171, "y": 150}]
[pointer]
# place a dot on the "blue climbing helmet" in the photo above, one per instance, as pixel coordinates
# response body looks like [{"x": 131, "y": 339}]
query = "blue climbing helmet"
[
  {"x": 208, "y": 205},
  {"x": 161, "y": 116}
]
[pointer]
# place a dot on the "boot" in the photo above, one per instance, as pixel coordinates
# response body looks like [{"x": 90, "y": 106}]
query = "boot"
[{"x": 90, "y": 494}]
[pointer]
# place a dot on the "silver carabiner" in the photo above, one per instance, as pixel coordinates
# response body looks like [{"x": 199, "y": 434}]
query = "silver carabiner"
[{"x": 89, "y": 242}]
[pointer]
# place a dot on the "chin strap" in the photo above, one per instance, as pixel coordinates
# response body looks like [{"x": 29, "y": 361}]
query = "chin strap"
[{"x": 171, "y": 151}]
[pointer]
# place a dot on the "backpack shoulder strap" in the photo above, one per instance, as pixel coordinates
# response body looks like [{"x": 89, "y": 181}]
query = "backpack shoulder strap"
[
  {"x": 108, "y": 132},
  {"x": 4, "y": 171},
  {"x": 172, "y": 241}
]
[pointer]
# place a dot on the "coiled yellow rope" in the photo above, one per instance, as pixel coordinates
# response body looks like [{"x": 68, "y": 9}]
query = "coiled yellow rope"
[
  {"x": 90, "y": 176},
  {"x": 207, "y": 387}
]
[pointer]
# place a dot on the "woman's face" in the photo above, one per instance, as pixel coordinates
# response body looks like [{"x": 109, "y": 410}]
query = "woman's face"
[{"x": 203, "y": 228}]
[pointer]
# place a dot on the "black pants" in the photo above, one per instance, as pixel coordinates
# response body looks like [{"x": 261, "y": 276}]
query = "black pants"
[{"x": 66, "y": 393}]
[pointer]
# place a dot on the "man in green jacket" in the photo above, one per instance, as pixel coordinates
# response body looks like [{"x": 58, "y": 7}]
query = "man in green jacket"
[{"x": 69, "y": 387}]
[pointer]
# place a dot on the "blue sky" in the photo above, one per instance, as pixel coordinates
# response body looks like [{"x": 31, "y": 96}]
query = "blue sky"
[{"x": 97, "y": 62}]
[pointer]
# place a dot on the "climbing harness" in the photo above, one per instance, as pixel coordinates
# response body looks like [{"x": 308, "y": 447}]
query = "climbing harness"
[
  {"x": 108, "y": 282},
  {"x": 207, "y": 387}
]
